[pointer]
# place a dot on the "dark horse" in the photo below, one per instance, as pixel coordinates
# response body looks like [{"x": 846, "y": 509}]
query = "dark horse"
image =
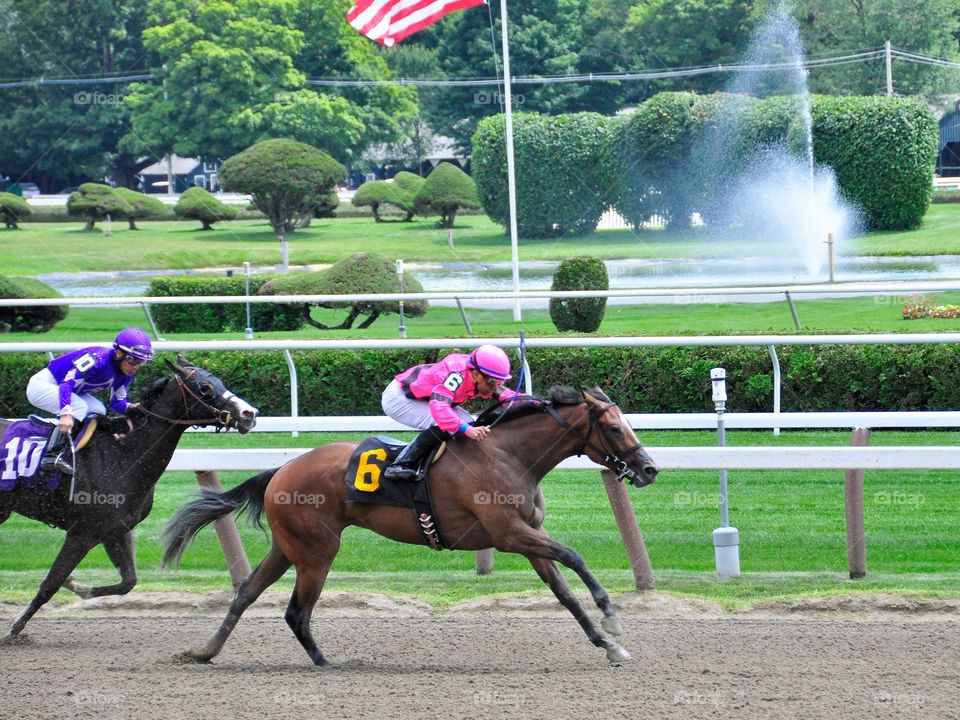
[
  {"x": 465, "y": 483},
  {"x": 115, "y": 480}
]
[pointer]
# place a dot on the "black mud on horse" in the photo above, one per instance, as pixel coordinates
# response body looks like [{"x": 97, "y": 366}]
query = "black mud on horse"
[
  {"x": 115, "y": 480},
  {"x": 520, "y": 450}
]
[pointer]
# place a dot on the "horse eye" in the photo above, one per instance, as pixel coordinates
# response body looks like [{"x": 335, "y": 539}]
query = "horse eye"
[{"x": 206, "y": 390}]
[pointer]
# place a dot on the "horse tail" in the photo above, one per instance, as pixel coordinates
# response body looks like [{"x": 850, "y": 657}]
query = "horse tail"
[{"x": 192, "y": 517}]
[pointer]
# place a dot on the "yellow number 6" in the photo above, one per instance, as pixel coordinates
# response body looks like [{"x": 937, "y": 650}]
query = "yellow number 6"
[{"x": 368, "y": 472}]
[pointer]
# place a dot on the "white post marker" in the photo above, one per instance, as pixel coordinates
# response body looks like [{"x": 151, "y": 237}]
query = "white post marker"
[
  {"x": 726, "y": 539},
  {"x": 402, "y": 328},
  {"x": 248, "y": 330}
]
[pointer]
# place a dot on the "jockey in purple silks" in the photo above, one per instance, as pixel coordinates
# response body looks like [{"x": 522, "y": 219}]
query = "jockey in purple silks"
[
  {"x": 64, "y": 387},
  {"x": 428, "y": 397}
]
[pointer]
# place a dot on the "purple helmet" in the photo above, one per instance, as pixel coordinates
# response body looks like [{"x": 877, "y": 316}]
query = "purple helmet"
[
  {"x": 135, "y": 342},
  {"x": 491, "y": 361}
]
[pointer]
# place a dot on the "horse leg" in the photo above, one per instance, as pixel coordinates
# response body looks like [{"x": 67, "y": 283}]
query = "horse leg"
[
  {"x": 270, "y": 569},
  {"x": 543, "y": 553},
  {"x": 121, "y": 554},
  {"x": 311, "y": 575},
  {"x": 75, "y": 547}
]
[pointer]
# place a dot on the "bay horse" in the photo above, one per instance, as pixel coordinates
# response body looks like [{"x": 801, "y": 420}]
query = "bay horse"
[
  {"x": 465, "y": 483},
  {"x": 115, "y": 479}
]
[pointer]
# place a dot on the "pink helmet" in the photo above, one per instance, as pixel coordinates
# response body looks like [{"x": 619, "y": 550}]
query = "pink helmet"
[
  {"x": 491, "y": 361},
  {"x": 135, "y": 342}
]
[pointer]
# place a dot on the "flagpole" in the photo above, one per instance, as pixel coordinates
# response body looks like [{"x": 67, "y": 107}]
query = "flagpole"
[{"x": 511, "y": 177}]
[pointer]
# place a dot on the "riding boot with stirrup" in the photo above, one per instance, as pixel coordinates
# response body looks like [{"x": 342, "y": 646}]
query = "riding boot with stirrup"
[
  {"x": 53, "y": 459},
  {"x": 407, "y": 464}
]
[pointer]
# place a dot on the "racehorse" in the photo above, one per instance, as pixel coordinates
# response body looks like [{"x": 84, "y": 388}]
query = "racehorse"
[
  {"x": 114, "y": 479},
  {"x": 465, "y": 482}
]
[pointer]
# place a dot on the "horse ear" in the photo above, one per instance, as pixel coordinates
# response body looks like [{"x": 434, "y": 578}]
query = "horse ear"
[{"x": 178, "y": 369}]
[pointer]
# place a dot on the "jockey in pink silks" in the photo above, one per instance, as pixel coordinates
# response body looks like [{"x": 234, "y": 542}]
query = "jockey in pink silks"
[{"x": 428, "y": 397}]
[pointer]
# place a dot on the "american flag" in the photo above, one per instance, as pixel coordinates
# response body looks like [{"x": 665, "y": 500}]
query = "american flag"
[{"x": 390, "y": 21}]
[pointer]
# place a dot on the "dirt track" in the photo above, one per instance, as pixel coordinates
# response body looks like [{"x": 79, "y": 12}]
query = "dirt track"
[{"x": 519, "y": 660}]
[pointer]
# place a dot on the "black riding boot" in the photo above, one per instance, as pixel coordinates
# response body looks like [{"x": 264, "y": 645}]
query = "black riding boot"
[
  {"x": 53, "y": 458},
  {"x": 408, "y": 461}
]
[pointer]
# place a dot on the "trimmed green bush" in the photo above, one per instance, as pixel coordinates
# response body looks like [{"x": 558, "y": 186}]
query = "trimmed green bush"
[
  {"x": 95, "y": 201},
  {"x": 215, "y": 318},
  {"x": 564, "y": 168},
  {"x": 29, "y": 318},
  {"x": 197, "y": 204},
  {"x": 144, "y": 206},
  {"x": 359, "y": 274},
  {"x": 13, "y": 209},
  {"x": 883, "y": 150},
  {"x": 375, "y": 193},
  {"x": 579, "y": 314},
  {"x": 446, "y": 190},
  {"x": 287, "y": 180}
]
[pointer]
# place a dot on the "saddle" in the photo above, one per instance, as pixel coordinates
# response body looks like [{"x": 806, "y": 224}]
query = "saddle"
[
  {"x": 22, "y": 447},
  {"x": 366, "y": 484}
]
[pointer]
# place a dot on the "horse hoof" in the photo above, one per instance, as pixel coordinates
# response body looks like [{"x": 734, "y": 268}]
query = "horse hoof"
[
  {"x": 191, "y": 657},
  {"x": 611, "y": 625},
  {"x": 616, "y": 655}
]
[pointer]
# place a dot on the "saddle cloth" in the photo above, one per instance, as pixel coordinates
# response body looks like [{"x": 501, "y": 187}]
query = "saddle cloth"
[
  {"x": 22, "y": 447},
  {"x": 366, "y": 484}
]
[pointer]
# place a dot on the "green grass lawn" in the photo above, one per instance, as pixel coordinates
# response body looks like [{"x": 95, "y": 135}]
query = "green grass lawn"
[{"x": 38, "y": 248}]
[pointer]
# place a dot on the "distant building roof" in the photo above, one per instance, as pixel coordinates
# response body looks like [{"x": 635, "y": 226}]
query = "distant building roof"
[{"x": 181, "y": 166}]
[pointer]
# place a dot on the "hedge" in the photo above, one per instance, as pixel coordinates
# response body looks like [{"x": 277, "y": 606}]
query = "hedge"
[
  {"x": 219, "y": 317},
  {"x": 815, "y": 378}
]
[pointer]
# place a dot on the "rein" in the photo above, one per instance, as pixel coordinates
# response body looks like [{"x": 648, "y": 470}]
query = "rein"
[
  {"x": 611, "y": 459},
  {"x": 221, "y": 417}
]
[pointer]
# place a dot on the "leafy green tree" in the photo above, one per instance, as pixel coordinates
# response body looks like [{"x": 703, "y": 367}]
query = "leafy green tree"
[
  {"x": 375, "y": 193},
  {"x": 579, "y": 314},
  {"x": 143, "y": 206},
  {"x": 95, "y": 201},
  {"x": 197, "y": 204},
  {"x": 13, "y": 209},
  {"x": 360, "y": 274},
  {"x": 287, "y": 180},
  {"x": 29, "y": 318},
  {"x": 446, "y": 190}
]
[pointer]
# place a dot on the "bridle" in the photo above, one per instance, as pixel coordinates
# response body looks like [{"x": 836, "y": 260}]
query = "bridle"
[
  {"x": 222, "y": 418},
  {"x": 616, "y": 462}
]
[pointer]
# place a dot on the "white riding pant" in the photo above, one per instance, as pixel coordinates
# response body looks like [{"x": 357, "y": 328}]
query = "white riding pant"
[
  {"x": 44, "y": 392},
  {"x": 412, "y": 412}
]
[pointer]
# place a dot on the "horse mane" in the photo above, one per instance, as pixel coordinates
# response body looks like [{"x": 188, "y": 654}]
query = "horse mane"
[
  {"x": 557, "y": 396},
  {"x": 154, "y": 390}
]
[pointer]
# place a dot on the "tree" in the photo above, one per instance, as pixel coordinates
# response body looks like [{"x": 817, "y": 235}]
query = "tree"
[
  {"x": 29, "y": 318},
  {"x": 398, "y": 192},
  {"x": 198, "y": 204},
  {"x": 286, "y": 179},
  {"x": 95, "y": 201},
  {"x": 13, "y": 209},
  {"x": 143, "y": 206},
  {"x": 446, "y": 190},
  {"x": 579, "y": 314},
  {"x": 360, "y": 274}
]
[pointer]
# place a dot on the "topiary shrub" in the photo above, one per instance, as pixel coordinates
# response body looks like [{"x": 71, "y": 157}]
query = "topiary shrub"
[
  {"x": 374, "y": 193},
  {"x": 13, "y": 209},
  {"x": 217, "y": 317},
  {"x": 29, "y": 318},
  {"x": 566, "y": 170},
  {"x": 446, "y": 190},
  {"x": 197, "y": 204},
  {"x": 144, "y": 206},
  {"x": 287, "y": 180},
  {"x": 884, "y": 151},
  {"x": 579, "y": 314},
  {"x": 95, "y": 201},
  {"x": 360, "y": 274}
]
